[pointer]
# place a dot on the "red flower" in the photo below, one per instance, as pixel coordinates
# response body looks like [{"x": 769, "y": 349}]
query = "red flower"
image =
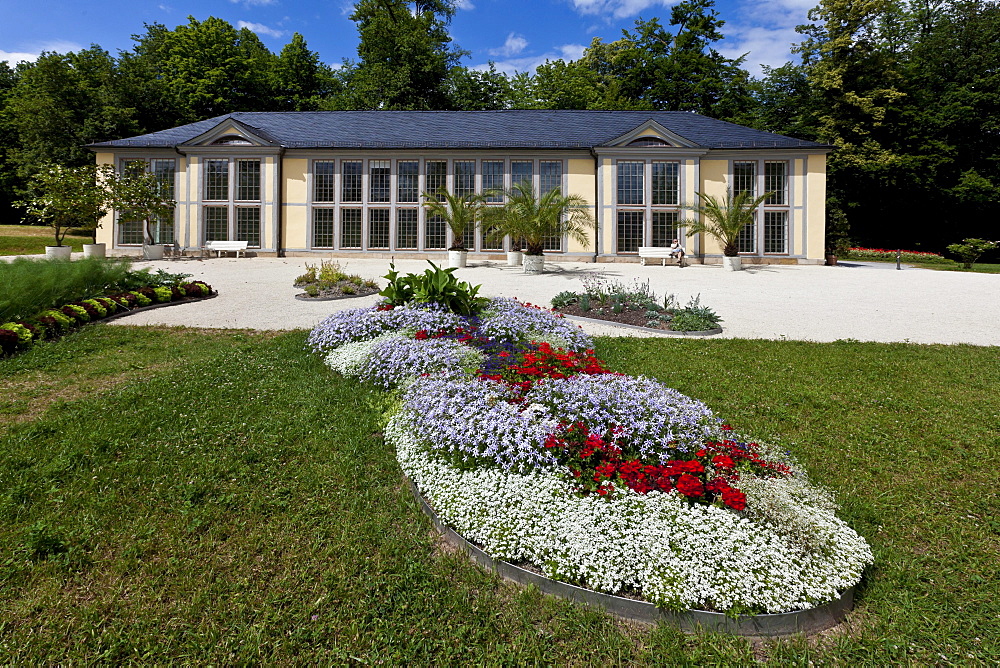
[{"x": 690, "y": 486}]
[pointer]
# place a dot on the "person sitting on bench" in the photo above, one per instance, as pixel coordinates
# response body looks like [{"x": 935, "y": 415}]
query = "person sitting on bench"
[{"x": 677, "y": 251}]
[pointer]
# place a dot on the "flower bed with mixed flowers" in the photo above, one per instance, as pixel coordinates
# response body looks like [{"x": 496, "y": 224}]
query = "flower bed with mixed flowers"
[
  {"x": 527, "y": 445},
  {"x": 889, "y": 255}
]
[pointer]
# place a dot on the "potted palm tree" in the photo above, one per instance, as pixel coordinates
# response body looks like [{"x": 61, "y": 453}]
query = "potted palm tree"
[
  {"x": 527, "y": 216},
  {"x": 725, "y": 219},
  {"x": 461, "y": 213}
]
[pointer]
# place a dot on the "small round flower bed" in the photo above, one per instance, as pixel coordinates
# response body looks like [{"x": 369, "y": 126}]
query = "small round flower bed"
[
  {"x": 328, "y": 281},
  {"x": 635, "y": 305},
  {"x": 529, "y": 447}
]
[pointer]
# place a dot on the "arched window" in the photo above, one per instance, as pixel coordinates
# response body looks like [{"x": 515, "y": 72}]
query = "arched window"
[
  {"x": 648, "y": 141},
  {"x": 231, "y": 140}
]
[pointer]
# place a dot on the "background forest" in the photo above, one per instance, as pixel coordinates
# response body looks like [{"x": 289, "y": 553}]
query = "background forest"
[{"x": 908, "y": 91}]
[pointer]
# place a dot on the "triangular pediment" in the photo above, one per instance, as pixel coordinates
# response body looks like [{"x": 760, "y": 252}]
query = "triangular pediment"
[
  {"x": 231, "y": 133},
  {"x": 650, "y": 135}
]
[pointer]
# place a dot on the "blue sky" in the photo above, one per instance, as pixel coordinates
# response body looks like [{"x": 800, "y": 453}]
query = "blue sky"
[{"x": 516, "y": 34}]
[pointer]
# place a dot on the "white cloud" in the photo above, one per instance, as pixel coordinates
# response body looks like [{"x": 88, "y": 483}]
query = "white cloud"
[
  {"x": 254, "y": 3},
  {"x": 765, "y": 32},
  {"x": 571, "y": 51},
  {"x": 261, "y": 29},
  {"x": 36, "y": 49},
  {"x": 618, "y": 9},
  {"x": 465, "y": 4},
  {"x": 512, "y": 66},
  {"x": 514, "y": 45},
  {"x": 14, "y": 57},
  {"x": 763, "y": 46}
]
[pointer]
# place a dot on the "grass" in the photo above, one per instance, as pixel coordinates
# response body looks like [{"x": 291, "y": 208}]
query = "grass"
[
  {"x": 947, "y": 265},
  {"x": 177, "y": 495},
  {"x": 32, "y": 240}
]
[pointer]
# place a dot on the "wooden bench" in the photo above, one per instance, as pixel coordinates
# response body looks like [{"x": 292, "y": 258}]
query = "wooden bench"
[
  {"x": 221, "y": 247},
  {"x": 658, "y": 253}
]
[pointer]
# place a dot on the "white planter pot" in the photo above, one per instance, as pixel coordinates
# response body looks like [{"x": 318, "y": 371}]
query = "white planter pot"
[
  {"x": 457, "y": 259},
  {"x": 514, "y": 258},
  {"x": 152, "y": 251},
  {"x": 94, "y": 250},
  {"x": 58, "y": 252},
  {"x": 534, "y": 264},
  {"x": 732, "y": 263}
]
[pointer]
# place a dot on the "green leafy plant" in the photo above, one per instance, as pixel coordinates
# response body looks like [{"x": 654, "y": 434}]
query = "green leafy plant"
[
  {"x": 694, "y": 317},
  {"x": 971, "y": 250},
  {"x": 724, "y": 218},
  {"x": 435, "y": 285},
  {"x": 564, "y": 298}
]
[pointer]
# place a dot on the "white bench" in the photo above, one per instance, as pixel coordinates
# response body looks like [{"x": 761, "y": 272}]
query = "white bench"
[
  {"x": 221, "y": 247},
  {"x": 657, "y": 253}
]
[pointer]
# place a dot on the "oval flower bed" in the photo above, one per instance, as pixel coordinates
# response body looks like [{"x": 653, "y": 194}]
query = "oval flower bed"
[
  {"x": 53, "y": 323},
  {"x": 526, "y": 445}
]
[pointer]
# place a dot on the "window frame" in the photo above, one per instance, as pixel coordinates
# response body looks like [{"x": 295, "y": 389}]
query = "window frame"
[{"x": 646, "y": 209}]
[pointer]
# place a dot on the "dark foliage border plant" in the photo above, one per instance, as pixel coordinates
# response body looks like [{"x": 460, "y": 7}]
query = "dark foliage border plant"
[{"x": 19, "y": 335}]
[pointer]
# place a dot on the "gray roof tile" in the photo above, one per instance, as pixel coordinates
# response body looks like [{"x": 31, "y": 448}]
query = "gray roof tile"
[{"x": 468, "y": 129}]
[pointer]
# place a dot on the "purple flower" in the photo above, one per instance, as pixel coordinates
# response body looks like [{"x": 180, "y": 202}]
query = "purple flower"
[{"x": 656, "y": 419}]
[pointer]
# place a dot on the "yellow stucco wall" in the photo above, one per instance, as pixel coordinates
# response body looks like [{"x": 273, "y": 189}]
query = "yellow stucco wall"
[
  {"x": 580, "y": 180},
  {"x": 106, "y": 231},
  {"x": 294, "y": 196},
  {"x": 714, "y": 179},
  {"x": 816, "y": 207}
]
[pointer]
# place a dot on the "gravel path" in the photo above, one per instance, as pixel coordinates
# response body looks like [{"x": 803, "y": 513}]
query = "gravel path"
[{"x": 867, "y": 302}]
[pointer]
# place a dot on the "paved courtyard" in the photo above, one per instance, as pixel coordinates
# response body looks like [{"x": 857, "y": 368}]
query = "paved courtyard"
[{"x": 868, "y": 302}]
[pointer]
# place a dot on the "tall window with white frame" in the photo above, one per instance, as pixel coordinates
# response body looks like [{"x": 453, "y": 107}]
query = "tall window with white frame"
[
  {"x": 775, "y": 221},
  {"x": 745, "y": 181},
  {"x": 407, "y": 199},
  {"x": 435, "y": 227},
  {"x": 324, "y": 175},
  {"x": 768, "y": 233},
  {"x": 492, "y": 180},
  {"x": 130, "y": 232},
  {"x": 232, "y": 200},
  {"x": 647, "y": 200},
  {"x": 550, "y": 174}
]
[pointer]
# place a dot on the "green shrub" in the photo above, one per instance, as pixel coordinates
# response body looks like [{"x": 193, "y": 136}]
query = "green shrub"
[
  {"x": 694, "y": 317},
  {"x": 971, "y": 249},
  {"x": 23, "y": 333},
  {"x": 141, "y": 299},
  {"x": 97, "y": 306},
  {"x": 163, "y": 294},
  {"x": 565, "y": 298}
]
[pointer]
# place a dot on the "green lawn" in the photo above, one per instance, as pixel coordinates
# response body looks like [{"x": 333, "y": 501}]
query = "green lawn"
[
  {"x": 177, "y": 495},
  {"x": 949, "y": 265},
  {"x": 32, "y": 240}
]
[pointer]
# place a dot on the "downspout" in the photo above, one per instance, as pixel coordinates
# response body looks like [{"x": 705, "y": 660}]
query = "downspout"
[
  {"x": 279, "y": 206},
  {"x": 597, "y": 204},
  {"x": 187, "y": 200}
]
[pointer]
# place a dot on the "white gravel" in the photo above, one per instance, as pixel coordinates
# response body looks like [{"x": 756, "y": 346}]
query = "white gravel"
[{"x": 867, "y": 302}]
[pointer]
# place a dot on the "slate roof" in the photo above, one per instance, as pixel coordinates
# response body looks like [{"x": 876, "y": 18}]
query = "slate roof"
[{"x": 536, "y": 129}]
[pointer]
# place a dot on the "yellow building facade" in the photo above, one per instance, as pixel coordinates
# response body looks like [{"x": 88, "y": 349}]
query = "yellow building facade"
[{"x": 349, "y": 183}]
